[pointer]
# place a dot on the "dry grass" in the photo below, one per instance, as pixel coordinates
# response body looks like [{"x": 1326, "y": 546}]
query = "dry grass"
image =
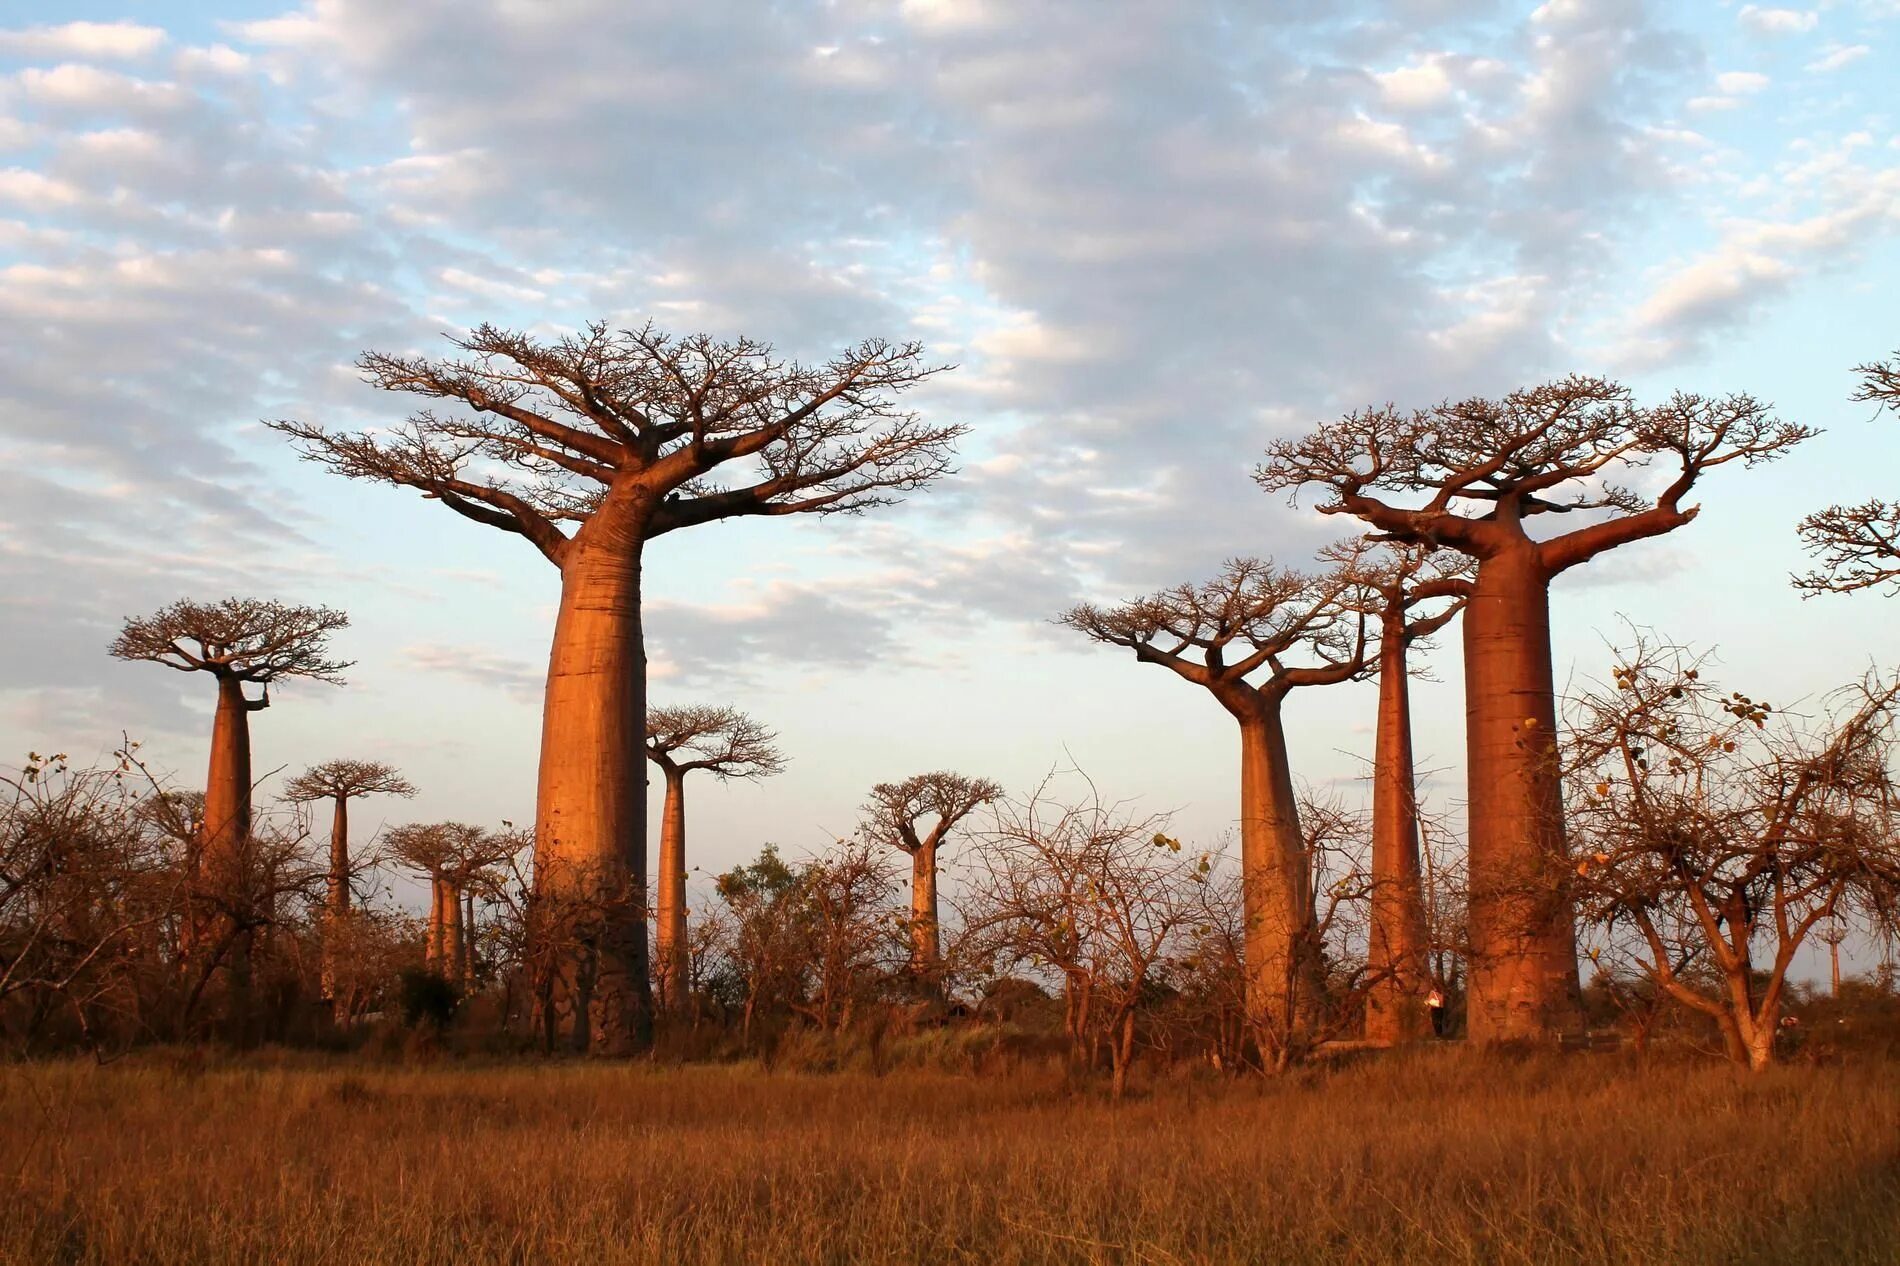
[{"x": 1439, "y": 1157}]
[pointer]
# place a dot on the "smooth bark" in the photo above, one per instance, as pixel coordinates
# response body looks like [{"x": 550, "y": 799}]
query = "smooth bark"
[
  {"x": 225, "y": 844},
  {"x": 336, "y": 904},
  {"x": 468, "y": 937},
  {"x": 670, "y": 949},
  {"x": 1523, "y": 953},
  {"x": 1396, "y": 954},
  {"x": 590, "y": 821},
  {"x": 1282, "y": 974},
  {"x": 438, "y": 925},
  {"x": 926, "y": 946},
  {"x": 453, "y": 950}
]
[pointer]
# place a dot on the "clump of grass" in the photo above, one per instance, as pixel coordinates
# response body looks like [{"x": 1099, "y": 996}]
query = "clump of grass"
[{"x": 1438, "y": 1156}]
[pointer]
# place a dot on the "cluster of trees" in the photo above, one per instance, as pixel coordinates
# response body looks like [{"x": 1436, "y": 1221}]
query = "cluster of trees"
[{"x": 1701, "y": 830}]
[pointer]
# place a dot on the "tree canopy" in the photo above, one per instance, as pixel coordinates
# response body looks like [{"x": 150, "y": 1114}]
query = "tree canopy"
[
  {"x": 544, "y": 429},
  {"x": 248, "y": 639}
]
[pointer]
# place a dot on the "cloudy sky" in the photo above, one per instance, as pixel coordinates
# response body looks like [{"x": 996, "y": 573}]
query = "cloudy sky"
[{"x": 1152, "y": 237}]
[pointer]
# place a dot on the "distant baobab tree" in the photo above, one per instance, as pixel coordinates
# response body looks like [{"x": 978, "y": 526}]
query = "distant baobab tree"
[
  {"x": 1247, "y": 623},
  {"x": 1415, "y": 592},
  {"x": 339, "y": 782},
  {"x": 237, "y": 641},
  {"x": 589, "y": 446},
  {"x": 896, "y": 817},
  {"x": 451, "y": 855},
  {"x": 1474, "y": 475},
  {"x": 728, "y": 744},
  {"x": 1858, "y": 546}
]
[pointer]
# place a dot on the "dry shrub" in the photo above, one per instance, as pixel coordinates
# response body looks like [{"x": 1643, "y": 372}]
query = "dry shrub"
[{"x": 1438, "y": 1156}]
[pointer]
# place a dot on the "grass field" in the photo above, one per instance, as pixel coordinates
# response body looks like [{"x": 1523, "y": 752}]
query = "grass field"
[{"x": 1435, "y": 1157}]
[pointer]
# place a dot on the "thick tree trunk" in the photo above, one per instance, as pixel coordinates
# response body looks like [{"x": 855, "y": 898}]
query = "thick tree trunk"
[
  {"x": 1276, "y": 882},
  {"x": 926, "y": 945},
  {"x": 336, "y": 905},
  {"x": 467, "y": 965},
  {"x": 438, "y": 926},
  {"x": 590, "y": 812},
  {"x": 338, "y": 892},
  {"x": 225, "y": 847},
  {"x": 452, "y": 948},
  {"x": 226, "y": 831},
  {"x": 669, "y": 949},
  {"x": 1523, "y": 934},
  {"x": 1395, "y": 1004}
]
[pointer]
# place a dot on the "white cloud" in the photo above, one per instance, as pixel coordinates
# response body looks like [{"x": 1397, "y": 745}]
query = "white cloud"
[
  {"x": 1837, "y": 56},
  {"x": 103, "y": 40},
  {"x": 1777, "y": 21},
  {"x": 1419, "y": 86},
  {"x": 35, "y": 190},
  {"x": 1740, "y": 82}
]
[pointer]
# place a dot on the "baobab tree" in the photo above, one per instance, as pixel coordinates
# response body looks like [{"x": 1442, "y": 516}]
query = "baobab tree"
[
  {"x": 587, "y": 447},
  {"x": 727, "y": 744},
  {"x": 339, "y": 782},
  {"x": 1248, "y": 621},
  {"x": 1858, "y": 546},
  {"x": 453, "y": 857},
  {"x": 238, "y": 641},
  {"x": 1475, "y": 476},
  {"x": 896, "y": 817},
  {"x": 426, "y": 848},
  {"x": 1415, "y": 592}
]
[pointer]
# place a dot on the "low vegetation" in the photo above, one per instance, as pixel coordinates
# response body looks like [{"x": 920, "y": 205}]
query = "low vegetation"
[{"x": 1437, "y": 1155}]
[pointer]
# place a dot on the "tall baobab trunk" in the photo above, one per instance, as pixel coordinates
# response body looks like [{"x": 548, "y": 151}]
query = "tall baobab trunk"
[
  {"x": 1397, "y": 949},
  {"x": 467, "y": 965},
  {"x": 225, "y": 840},
  {"x": 438, "y": 924},
  {"x": 1281, "y": 974},
  {"x": 338, "y": 891},
  {"x": 336, "y": 905},
  {"x": 669, "y": 930},
  {"x": 926, "y": 945},
  {"x": 452, "y": 943},
  {"x": 1523, "y": 934},
  {"x": 590, "y": 812}
]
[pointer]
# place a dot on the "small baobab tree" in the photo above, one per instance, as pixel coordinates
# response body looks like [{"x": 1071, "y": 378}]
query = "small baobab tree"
[
  {"x": 426, "y": 848},
  {"x": 588, "y": 447},
  {"x": 915, "y": 817},
  {"x": 239, "y": 642},
  {"x": 1858, "y": 546},
  {"x": 727, "y": 744},
  {"x": 1722, "y": 835},
  {"x": 454, "y": 857},
  {"x": 1236, "y": 637},
  {"x": 1477, "y": 476},
  {"x": 339, "y": 782},
  {"x": 1415, "y": 592}
]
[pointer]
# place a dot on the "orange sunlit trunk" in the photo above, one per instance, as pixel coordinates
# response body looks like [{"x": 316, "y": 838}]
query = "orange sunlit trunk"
[
  {"x": 1523, "y": 974},
  {"x": 590, "y": 821},
  {"x": 1395, "y": 1010},
  {"x": 670, "y": 908}
]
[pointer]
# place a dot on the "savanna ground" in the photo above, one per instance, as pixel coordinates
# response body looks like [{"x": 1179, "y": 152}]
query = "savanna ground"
[{"x": 1437, "y": 1156}]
